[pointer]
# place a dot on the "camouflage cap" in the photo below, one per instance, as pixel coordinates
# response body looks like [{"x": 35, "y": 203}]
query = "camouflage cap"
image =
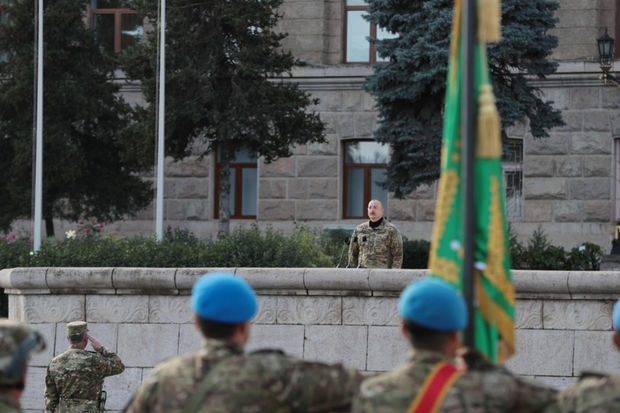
[
  {"x": 76, "y": 327},
  {"x": 17, "y": 341}
]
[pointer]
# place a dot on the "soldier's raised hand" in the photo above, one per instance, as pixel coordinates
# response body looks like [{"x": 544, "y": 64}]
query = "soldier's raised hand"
[{"x": 96, "y": 345}]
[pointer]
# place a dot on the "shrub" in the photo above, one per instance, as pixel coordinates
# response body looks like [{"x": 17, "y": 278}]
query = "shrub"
[{"x": 415, "y": 253}]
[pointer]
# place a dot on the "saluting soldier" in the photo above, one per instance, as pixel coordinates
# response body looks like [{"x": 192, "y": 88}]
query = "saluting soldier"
[
  {"x": 74, "y": 379},
  {"x": 595, "y": 392},
  {"x": 376, "y": 243},
  {"x": 17, "y": 342},
  {"x": 221, "y": 378},
  {"x": 433, "y": 316}
]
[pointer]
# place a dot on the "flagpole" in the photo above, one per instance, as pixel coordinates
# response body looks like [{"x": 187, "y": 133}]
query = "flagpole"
[
  {"x": 159, "y": 215},
  {"x": 38, "y": 180},
  {"x": 468, "y": 122}
]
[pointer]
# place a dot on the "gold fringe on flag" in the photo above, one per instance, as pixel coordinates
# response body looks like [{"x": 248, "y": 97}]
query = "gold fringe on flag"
[
  {"x": 489, "y": 21},
  {"x": 489, "y": 143}
]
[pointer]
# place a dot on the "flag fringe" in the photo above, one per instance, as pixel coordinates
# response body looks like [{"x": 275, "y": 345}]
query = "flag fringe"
[
  {"x": 497, "y": 317},
  {"x": 489, "y": 144},
  {"x": 489, "y": 21}
]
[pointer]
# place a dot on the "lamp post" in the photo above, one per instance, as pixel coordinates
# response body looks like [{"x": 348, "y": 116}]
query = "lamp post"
[{"x": 606, "y": 57}]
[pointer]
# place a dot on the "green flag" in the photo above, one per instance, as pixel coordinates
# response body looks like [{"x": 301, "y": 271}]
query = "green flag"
[{"x": 494, "y": 301}]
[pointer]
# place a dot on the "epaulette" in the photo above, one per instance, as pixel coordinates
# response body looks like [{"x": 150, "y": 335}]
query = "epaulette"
[
  {"x": 268, "y": 351},
  {"x": 592, "y": 375}
]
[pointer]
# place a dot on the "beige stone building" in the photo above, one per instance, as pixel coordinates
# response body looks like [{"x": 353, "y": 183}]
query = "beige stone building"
[{"x": 566, "y": 184}]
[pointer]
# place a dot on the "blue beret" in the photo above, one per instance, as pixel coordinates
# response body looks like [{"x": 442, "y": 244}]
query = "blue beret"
[
  {"x": 616, "y": 316},
  {"x": 224, "y": 298},
  {"x": 433, "y": 304}
]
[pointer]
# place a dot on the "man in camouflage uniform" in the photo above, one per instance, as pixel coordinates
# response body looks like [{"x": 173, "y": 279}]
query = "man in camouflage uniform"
[
  {"x": 221, "y": 378},
  {"x": 595, "y": 392},
  {"x": 75, "y": 378},
  {"x": 434, "y": 314},
  {"x": 376, "y": 243},
  {"x": 17, "y": 342}
]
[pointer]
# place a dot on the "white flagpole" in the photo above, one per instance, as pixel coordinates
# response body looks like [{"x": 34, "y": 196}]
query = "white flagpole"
[
  {"x": 159, "y": 214},
  {"x": 38, "y": 180}
]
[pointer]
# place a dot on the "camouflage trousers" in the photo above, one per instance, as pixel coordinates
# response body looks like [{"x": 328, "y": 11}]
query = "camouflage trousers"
[{"x": 77, "y": 406}]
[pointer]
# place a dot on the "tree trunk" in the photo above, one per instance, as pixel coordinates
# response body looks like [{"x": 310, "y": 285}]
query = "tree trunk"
[
  {"x": 224, "y": 189},
  {"x": 49, "y": 225}
]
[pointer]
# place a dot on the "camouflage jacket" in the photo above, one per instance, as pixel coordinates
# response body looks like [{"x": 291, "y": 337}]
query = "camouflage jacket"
[
  {"x": 380, "y": 247},
  {"x": 600, "y": 394},
  {"x": 74, "y": 379},
  {"x": 488, "y": 389},
  {"x": 266, "y": 381},
  {"x": 9, "y": 404}
]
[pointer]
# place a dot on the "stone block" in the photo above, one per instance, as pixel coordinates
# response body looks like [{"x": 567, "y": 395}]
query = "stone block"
[
  {"x": 267, "y": 310},
  {"x": 189, "y": 166},
  {"x": 591, "y": 143},
  {"x": 517, "y": 130},
  {"x": 48, "y": 331},
  {"x": 611, "y": 97},
  {"x": 181, "y": 210},
  {"x": 425, "y": 210},
  {"x": 577, "y": 315},
  {"x": 365, "y": 124},
  {"x": 276, "y": 210},
  {"x": 272, "y": 188},
  {"x": 186, "y": 188},
  {"x": 279, "y": 168},
  {"x": 145, "y": 345},
  {"x": 121, "y": 388},
  {"x": 567, "y": 211},
  {"x": 336, "y": 279},
  {"x": 319, "y": 188},
  {"x": 77, "y": 279},
  {"x": 597, "y": 211},
  {"x": 310, "y": 166},
  {"x": 328, "y": 148},
  {"x": 279, "y": 279},
  {"x": 170, "y": 309},
  {"x": 541, "y": 284},
  {"x": 190, "y": 339},
  {"x": 288, "y": 338},
  {"x": 590, "y": 188},
  {"x": 185, "y": 278},
  {"x": 329, "y": 101},
  {"x": 529, "y": 314},
  {"x": 537, "y": 211},
  {"x": 117, "y": 309},
  {"x": 52, "y": 309},
  {"x": 555, "y": 144},
  {"x": 597, "y": 165},
  {"x": 393, "y": 280},
  {"x": 337, "y": 344},
  {"x": 26, "y": 277},
  {"x": 424, "y": 191},
  {"x": 301, "y": 149},
  {"x": 32, "y": 397},
  {"x": 339, "y": 124},
  {"x": 543, "y": 352},
  {"x": 615, "y": 124},
  {"x": 577, "y": 18},
  {"x": 387, "y": 348},
  {"x": 588, "y": 284},
  {"x": 598, "y": 121},
  {"x": 547, "y": 188},
  {"x": 352, "y": 100},
  {"x": 309, "y": 310},
  {"x": 573, "y": 121},
  {"x": 298, "y": 188},
  {"x": 569, "y": 166},
  {"x": 376, "y": 311},
  {"x": 316, "y": 209},
  {"x": 594, "y": 350},
  {"x": 402, "y": 209},
  {"x": 141, "y": 279},
  {"x": 538, "y": 166}
]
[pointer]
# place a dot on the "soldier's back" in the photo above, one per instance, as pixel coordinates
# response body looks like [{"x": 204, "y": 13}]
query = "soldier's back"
[{"x": 595, "y": 394}]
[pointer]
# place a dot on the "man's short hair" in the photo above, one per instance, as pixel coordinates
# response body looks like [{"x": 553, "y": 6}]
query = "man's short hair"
[
  {"x": 214, "y": 329},
  {"x": 77, "y": 338},
  {"x": 425, "y": 338}
]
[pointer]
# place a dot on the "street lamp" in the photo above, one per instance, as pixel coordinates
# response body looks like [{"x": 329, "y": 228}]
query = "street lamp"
[{"x": 606, "y": 57}]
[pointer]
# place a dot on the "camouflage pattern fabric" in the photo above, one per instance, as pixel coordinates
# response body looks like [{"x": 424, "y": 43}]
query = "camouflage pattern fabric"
[
  {"x": 380, "y": 247},
  {"x": 74, "y": 380},
  {"x": 9, "y": 404},
  {"x": 14, "y": 335},
  {"x": 487, "y": 389},
  {"x": 267, "y": 381},
  {"x": 592, "y": 394}
]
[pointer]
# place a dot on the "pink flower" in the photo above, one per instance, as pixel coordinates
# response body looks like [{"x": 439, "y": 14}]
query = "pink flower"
[
  {"x": 115, "y": 233},
  {"x": 13, "y": 236},
  {"x": 80, "y": 222},
  {"x": 87, "y": 230},
  {"x": 100, "y": 225}
]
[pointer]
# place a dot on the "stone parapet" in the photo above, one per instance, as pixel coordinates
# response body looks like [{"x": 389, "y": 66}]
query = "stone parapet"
[{"x": 563, "y": 319}]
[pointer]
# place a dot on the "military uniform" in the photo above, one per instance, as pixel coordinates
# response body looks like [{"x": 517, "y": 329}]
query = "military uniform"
[
  {"x": 485, "y": 389},
  {"x": 74, "y": 378},
  {"x": 380, "y": 247},
  {"x": 592, "y": 393},
  {"x": 9, "y": 404},
  {"x": 266, "y": 381}
]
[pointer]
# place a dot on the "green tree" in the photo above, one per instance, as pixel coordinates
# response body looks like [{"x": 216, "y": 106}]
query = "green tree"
[
  {"x": 410, "y": 89},
  {"x": 226, "y": 86},
  {"x": 89, "y": 161}
]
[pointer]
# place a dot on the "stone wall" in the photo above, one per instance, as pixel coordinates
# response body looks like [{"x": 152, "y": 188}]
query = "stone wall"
[{"x": 333, "y": 315}]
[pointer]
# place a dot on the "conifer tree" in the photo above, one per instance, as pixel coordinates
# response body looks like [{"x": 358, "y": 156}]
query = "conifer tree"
[
  {"x": 226, "y": 86},
  {"x": 90, "y": 164},
  {"x": 409, "y": 90}
]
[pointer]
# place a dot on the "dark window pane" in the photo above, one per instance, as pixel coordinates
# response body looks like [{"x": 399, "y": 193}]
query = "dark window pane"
[
  {"x": 248, "y": 188},
  {"x": 104, "y": 31},
  {"x": 131, "y": 30},
  {"x": 366, "y": 152},
  {"x": 231, "y": 199},
  {"x": 107, "y": 4},
  {"x": 355, "y": 192}
]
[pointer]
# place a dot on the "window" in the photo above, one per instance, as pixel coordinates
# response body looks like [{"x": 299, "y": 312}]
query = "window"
[
  {"x": 243, "y": 185},
  {"x": 115, "y": 27},
  {"x": 358, "y": 49},
  {"x": 364, "y": 170},
  {"x": 513, "y": 177}
]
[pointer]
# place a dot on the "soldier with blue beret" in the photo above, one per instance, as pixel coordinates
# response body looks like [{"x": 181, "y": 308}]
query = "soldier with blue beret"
[
  {"x": 220, "y": 377},
  {"x": 74, "y": 379},
  {"x": 433, "y": 315},
  {"x": 595, "y": 392},
  {"x": 17, "y": 342}
]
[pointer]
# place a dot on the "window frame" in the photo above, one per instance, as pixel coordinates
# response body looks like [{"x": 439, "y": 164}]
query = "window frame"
[
  {"x": 238, "y": 193},
  {"x": 372, "y": 58},
  {"x": 118, "y": 13},
  {"x": 513, "y": 167}
]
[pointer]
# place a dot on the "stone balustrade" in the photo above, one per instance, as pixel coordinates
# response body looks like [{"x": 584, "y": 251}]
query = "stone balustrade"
[{"x": 333, "y": 315}]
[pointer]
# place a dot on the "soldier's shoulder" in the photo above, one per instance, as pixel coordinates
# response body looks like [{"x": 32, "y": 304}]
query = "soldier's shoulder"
[
  {"x": 400, "y": 376},
  {"x": 362, "y": 227},
  {"x": 391, "y": 226},
  {"x": 593, "y": 390}
]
